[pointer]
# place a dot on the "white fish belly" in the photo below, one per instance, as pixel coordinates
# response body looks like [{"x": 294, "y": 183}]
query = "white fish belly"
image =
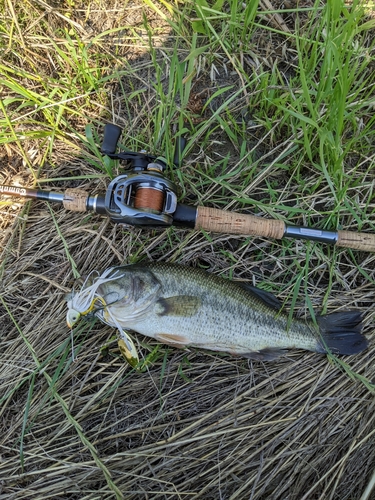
[{"x": 240, "y": 331}]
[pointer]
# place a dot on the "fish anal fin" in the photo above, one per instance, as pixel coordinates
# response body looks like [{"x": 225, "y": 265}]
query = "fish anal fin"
[
  {"x": 266, "y": 354},
  {"x": 180, "y": 305},
  {"x": 173, "y": 340}
]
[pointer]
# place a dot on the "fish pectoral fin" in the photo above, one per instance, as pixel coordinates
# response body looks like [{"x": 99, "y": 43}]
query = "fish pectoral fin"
[
  {"x": 180, "y": 305},
  {"x": 267, "y": 354},
  {"x": 173, "y": 340}
]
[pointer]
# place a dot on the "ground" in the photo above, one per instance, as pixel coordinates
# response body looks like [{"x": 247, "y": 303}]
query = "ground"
[{"x": 77, "y": 420}]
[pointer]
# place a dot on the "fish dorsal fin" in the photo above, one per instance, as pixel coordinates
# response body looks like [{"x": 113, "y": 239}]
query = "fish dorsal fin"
[
  {"x": 180, "y": 305},
  {"x": 266, "y": 297}
]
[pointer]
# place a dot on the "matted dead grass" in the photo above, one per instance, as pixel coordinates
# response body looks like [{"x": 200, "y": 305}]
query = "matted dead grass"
[{"x": 195, "y": 424}]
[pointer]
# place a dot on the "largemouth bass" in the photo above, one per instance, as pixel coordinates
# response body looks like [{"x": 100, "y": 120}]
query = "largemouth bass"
[{"x": 187, "y": 307}]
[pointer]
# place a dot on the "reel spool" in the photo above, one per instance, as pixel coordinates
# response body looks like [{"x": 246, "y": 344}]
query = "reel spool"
[
  {"x": 149, "y": 198},
  {"x": 141, "y": 199}
]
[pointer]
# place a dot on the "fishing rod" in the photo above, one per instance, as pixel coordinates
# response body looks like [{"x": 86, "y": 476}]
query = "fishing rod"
[{"x": 145, "y": 197}]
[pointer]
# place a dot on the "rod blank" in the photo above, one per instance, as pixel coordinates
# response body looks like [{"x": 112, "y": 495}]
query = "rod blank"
[{"x": 208, "y": 219}]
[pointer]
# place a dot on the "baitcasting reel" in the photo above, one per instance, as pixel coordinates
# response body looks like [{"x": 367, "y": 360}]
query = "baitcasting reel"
[{"x": 143, "y": 197}]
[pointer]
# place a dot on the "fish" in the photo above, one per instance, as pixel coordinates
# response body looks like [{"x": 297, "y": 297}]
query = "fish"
[{"x": 186, "y": 307}]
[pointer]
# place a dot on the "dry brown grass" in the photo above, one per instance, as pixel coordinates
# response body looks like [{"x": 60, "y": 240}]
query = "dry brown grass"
[{"x": 194, "y": 425}]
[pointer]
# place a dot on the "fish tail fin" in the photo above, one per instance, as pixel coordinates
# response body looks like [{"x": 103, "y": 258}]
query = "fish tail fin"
[{"x": 341, "y": 333}]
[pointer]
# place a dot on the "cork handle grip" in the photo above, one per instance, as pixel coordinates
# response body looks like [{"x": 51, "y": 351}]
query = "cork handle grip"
[
  {"x": 221, "y": 221},
  {"x": 75, "y": 200},
  {"x": 357, "y": 241}
]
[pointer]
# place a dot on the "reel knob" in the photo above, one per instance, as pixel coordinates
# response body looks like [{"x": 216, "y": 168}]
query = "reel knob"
[{"x": 111, "y": 136}]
